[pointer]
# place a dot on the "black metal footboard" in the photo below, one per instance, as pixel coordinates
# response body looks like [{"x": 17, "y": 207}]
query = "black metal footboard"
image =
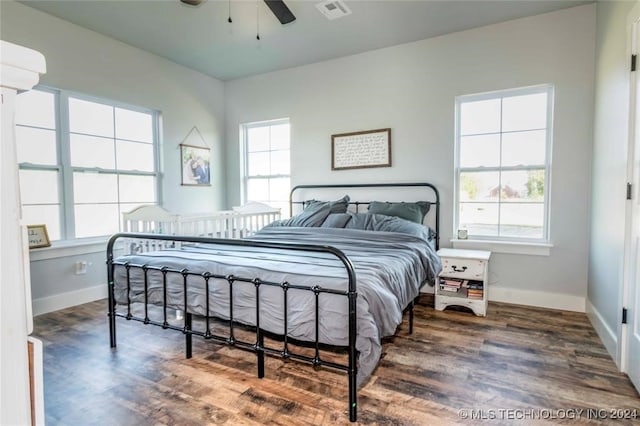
[{"x": 258, "y": 345}]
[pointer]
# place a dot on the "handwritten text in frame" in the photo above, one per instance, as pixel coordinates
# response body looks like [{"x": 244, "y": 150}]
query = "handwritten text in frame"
[{"x": 355, "y": 150}]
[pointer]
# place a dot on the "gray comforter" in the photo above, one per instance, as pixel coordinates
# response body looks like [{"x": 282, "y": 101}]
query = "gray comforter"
[{"x": 390, "y": 269}]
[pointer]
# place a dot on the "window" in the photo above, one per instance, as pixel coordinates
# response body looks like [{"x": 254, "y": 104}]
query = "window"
[
  {"x": 267, "y": 168},
  {"x": 503, "y": 146},
  {"x": 83, "y": 162}
]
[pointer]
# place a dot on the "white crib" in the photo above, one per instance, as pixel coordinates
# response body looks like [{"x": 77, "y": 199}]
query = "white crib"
[{"x": 240, "y": 222}]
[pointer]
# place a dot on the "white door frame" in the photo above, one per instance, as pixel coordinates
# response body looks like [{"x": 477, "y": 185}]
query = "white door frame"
[{"x": 633, "y": 150}]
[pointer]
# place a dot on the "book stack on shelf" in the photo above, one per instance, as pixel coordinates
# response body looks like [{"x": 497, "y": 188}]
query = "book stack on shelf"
[
  {"x": 453, "y": 286},
  {"x": 475, "y": 290}
]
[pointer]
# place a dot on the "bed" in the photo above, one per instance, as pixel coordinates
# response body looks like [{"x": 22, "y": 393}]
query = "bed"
[{"x": 312, "y": 281}]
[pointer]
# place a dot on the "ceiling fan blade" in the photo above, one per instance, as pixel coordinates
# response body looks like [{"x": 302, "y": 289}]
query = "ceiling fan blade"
[
  {"x": 192, "y": 2},
  {"x": 281, "y": 11}
]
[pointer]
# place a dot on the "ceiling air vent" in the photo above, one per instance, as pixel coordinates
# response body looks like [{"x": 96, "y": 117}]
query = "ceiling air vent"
[{"x": 333, "y": 9}]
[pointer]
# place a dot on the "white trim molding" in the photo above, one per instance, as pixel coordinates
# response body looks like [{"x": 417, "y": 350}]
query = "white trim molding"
[
  {"x": 21, "y": 67},
  {"x": 535, "y": 249},
  {"x": 69, "y": 248},
  {"x": 541, "y": 299},
  {"x": 608, "y": 336},
  {"x": 71, "y": 298}
]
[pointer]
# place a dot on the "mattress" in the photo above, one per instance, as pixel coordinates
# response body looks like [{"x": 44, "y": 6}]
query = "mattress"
[{"x": 390, "y": 268}]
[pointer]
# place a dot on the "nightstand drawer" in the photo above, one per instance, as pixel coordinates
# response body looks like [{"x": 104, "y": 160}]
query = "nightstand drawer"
[{"x": 471, "y": 269}]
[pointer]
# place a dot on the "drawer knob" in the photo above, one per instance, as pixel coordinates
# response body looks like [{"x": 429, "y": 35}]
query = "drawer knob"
[{"x": 455, "y": 269}]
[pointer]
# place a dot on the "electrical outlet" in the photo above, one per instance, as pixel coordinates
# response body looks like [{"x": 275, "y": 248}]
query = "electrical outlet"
[{"x": 81, "y": 267}]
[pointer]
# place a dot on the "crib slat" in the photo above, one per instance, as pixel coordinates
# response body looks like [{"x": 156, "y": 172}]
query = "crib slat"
[{"x": 222, "y": 224}]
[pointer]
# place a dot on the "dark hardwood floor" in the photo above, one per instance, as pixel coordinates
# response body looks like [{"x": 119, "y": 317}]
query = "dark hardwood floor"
[{"x": 519, "y": 365}]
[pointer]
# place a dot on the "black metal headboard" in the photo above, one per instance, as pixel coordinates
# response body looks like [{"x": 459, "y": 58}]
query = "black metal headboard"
[{"x": 432, "y": 197}]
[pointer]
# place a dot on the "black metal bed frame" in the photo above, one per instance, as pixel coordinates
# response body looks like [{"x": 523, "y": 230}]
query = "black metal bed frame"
[{"x": 258, "y": 346}]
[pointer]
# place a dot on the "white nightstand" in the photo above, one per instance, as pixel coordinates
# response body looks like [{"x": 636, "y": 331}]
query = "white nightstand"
[{"x": 464, "y": 280}]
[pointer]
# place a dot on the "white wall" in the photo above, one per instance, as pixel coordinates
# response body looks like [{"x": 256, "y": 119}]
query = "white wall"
[
  {"x": 411, "y": 89},
  {"x": 84, "y": 61},
  {"x": 87, "y": 62},
  {"x": 606, "y": 251}
]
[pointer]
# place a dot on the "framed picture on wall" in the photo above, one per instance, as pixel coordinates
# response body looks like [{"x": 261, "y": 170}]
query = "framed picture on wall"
[
  {"x": 358, "y": 150},
  {"x": 195, "y": 162}
]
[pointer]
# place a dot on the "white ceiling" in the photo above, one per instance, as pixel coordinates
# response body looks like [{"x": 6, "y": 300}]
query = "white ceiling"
[{"x": 201, "y": 38}]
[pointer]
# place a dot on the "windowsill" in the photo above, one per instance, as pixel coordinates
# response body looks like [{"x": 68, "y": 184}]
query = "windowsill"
[
  {"x": 68, "y": 248},
  {"x": 510, "y": 247}
]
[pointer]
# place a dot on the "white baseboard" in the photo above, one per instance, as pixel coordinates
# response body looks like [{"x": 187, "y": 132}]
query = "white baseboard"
[
  {"x": 68, "y": 299},
  {"x": 566, "y": 302},
  {"x": 607, "y": 335}
]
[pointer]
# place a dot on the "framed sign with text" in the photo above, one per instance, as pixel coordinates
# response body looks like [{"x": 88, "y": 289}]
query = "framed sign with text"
[
  {"x": 357, "y": 150},
  {"x": 38, "y": 236}
]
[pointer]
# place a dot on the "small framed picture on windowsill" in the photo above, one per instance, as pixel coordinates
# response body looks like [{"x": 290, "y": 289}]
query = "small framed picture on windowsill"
[{"x": 38, "y": 236}]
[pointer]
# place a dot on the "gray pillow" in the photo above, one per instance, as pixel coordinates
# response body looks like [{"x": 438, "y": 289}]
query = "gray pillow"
[
  {"x": 365, "y": 221},
  {"x": 312, "y": 215},
  {"x": 379, "y": 222},
  {"x": 410, "y": 211},
  {"x": 337, "y": 206},
  {"x": 336, "y": 220},
  {"x": 402, "y": 226}
]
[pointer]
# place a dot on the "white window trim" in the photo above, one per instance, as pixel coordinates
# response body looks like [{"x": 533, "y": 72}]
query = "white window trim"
[
  {"x": 66, "y": 248},
  {"x": 66, "y": 170},
  {"x": 509, "y": 247},
  {"x": 541, "y": 246}
]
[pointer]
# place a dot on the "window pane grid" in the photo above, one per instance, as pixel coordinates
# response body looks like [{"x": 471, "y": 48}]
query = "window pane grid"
[
  {"x": 36, "y": 108},
  {"x": 30, "y": 126},
  {"x": 104, "y": 162},
  {"x": 133, "y": 126},
  {"x": 267, "y": 162},
  {"x": 103, "y": 171},
  {"x": 497, "y": 169},
  {"x": 31, "y": 166},
  {"x": 26, "y": 126},
  {"x": 502, "y": 193},
  {"x": 502, "y": 202},
  {"x": 134, "y": 141},
  {"x": 504, "y": 132},
  {"x": 267, "y": 176}
]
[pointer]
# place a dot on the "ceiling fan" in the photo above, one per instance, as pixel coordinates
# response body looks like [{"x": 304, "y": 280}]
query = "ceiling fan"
[{"x": 279, "y": 9}]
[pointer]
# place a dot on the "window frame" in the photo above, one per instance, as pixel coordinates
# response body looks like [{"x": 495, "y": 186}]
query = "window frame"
[
  {"x": 501, "y": 94},
  {"x": 244, "y": 154},
  {"x": 65, "y": 169}
]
